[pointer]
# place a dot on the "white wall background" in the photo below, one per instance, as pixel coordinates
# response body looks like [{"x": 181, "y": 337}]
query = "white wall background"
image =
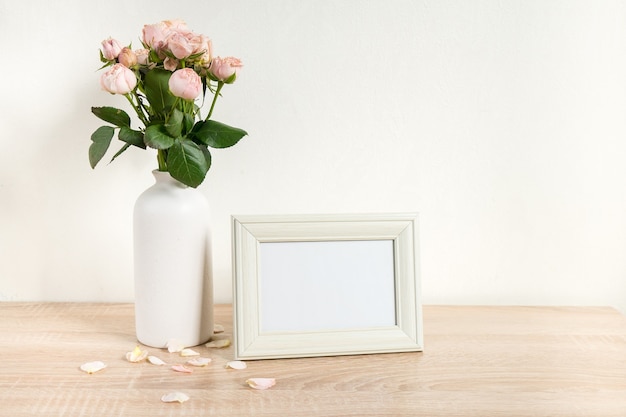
[{"x": 502, "y": 122}]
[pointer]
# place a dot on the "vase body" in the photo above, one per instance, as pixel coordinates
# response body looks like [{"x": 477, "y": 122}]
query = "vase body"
[{"x": 172, "y": 264}]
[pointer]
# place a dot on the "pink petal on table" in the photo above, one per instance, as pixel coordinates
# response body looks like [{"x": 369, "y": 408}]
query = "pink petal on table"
[
  {"x": 91, "y": 367},
  {"x": 182, "y": 368},
  {"x": 261, "y": 383},
  {"x": 172, "y": 397},
  {"x": 236, "y": 365}
]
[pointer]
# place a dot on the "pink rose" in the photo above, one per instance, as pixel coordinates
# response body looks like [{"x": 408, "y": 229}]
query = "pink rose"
[
  {"x": 179, "y": 45},
  {"x": 118, "y": 80},
  {"x": 127, "y": 57},
  {"x": 225, "y": 69},
  {"x": 185, "y": 83},
  {"x": 176, "y": 24},
  {"x": 111, "y": 49},
  {"x": 143, "y": 56},
  {"x": 200, "y": 43},
  {"x": 156, "y": 35},
  {"x": 203, "y": 44}
]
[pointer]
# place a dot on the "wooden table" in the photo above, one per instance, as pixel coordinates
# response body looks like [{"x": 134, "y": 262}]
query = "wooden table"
[{"x": 478, "y": 361}]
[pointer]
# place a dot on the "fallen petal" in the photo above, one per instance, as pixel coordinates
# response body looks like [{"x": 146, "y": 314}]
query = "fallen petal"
[
  {"x": 199, "y": 361},
  {"x": 137, "y": 355},
  {"x": 155, "y": 361},
  {"x": 188, "y": 352},
  {"x": 91, "y": 367},
  {"x": 174, "y": 345},
  {"x": 218, "y": 328},
  {"x": 220, "y": 343},
  {"x": 236, "y": 365},
  {"x": 261, "y": 383},
  {"x": 173, "y": 397},
  {"x": 182, "y": 368}
]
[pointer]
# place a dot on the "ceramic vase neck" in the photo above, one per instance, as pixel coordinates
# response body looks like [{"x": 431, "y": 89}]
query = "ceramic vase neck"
[{"x": 164, "y": 177}]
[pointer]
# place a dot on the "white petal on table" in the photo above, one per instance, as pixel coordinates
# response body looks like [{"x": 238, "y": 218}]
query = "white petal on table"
[
  {"x": 173, "y": 397},
  {"x": 199, "y": 361},
  {"x": 91, "y": 367},
  {"x": 236, "y": 365}
]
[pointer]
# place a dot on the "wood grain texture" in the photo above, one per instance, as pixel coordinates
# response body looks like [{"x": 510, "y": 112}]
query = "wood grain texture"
[{"x": 478, "y": 361}]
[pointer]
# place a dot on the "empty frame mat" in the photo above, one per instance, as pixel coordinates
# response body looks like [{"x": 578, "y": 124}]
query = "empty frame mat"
[
  {"x": 315, "y": 286},
  {"x": 320, "y": 285}
]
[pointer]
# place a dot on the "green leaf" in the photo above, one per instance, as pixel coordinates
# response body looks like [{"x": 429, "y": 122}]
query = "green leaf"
[
  {"x": 112, "y": 115},
  {"x": 132, "y": 137},
  {"x": 101, "y": 139},
  {"x": 188, "y": 121},
  {"x": 188, "y": 163},
  {"x": 207, "y": 155},
  {"x": 174, "y": 125},
  {"x": 157, "y": 90},
  {"x": 216, "y": 134},
  {"x": 156, "y": 137},
  {"x": 126, "y": 146}
]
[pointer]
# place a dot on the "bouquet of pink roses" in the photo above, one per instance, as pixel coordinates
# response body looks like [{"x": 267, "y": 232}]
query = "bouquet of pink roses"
[{"x": 162, "y": 82}]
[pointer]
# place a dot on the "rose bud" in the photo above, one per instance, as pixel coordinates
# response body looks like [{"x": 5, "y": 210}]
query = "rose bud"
[
  {"x": 225, "y": 69},
  {"x": 185, "y": 83},
  {"x": 111, "y": 49},
  {"x": 127, "y": 57},
  {"x": 118, "y": 80}
]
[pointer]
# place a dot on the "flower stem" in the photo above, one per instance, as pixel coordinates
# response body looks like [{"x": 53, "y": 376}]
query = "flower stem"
[
  {"x": 137, "y": 108},
  {"x": 161, "y": 160},
  {"x": 220, "y": 84}
]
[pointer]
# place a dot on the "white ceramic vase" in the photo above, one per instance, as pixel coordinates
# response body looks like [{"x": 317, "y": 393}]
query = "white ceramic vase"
[{"x": 173, "y": 271}]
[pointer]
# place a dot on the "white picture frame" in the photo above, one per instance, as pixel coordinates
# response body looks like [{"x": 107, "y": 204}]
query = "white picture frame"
[{"x": 325, "y": 285}]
